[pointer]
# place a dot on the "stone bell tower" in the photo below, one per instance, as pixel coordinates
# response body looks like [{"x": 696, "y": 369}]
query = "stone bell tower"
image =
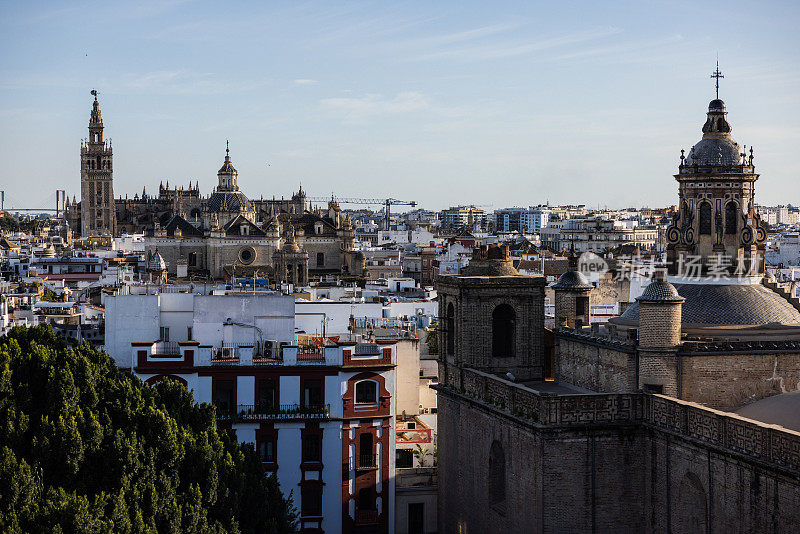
[
  {"x": 491, "y": 318},
  {"x": 717, "y": 227},
  {"x": 98, "y": 213}
]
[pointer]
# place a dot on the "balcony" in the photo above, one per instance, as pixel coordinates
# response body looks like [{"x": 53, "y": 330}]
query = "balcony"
[
  {"x": 366, "y": 517},
  {"x": 367, "y": 462},
  {"x": 310, "y": 355},
  {"x": 253, "y": 413}
]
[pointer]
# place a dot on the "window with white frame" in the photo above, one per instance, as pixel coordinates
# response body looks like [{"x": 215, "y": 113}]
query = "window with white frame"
[{"x": 367, "y": 392}]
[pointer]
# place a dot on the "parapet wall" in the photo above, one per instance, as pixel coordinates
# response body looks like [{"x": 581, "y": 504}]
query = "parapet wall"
[
  {"x": 629, "y": 462},
  {"x": 753, "y": 440}
]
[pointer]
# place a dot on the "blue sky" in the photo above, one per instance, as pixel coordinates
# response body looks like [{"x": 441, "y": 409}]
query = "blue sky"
[{"x": 497, "y": 103}]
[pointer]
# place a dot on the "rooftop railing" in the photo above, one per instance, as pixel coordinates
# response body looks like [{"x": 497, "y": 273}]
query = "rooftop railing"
[{"x": 166, "y": 348}]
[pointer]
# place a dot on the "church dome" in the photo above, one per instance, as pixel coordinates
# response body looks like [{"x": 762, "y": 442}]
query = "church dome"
[
  {"x": 725, "y": 152},
  {"x": 492, "y": 260},
  {"x": 717, "y": 305},
  {"x": 227, "y": 167}
]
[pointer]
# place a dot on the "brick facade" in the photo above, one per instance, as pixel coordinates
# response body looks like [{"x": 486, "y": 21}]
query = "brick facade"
[
  {"x": 474, "y": 300},
  {"x": 609, "y": 463}
]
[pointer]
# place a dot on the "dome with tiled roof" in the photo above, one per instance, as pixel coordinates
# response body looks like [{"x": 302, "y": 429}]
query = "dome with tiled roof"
[{"x": 717, "y": 305}]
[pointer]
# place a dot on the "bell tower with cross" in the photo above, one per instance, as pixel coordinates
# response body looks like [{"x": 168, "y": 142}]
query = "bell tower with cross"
[
  {"x": 98, "y": 210},
  {"x": 717, "y": 227}
]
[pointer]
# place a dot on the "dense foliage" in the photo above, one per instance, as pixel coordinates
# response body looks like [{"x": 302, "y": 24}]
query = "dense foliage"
[{"x": 85, "y": 447}]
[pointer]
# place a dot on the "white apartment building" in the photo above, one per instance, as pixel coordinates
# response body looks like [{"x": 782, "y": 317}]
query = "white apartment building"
[
  {"x": 321, "y": 417},
  {"x": 597, "y": 234},
  {"x": 531, "y": 219}
]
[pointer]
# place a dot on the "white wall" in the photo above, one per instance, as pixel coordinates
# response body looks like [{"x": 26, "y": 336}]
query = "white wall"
[
  {"x": 331, "y": 474},
  {"x": 177, "y": 310},
  {"x": 338, "y": 315},
  {"x": 289, "y": 457},
  {"x": 273, "y": 314},
  {"x": 130, "y": 318},
  {"x": 398, "y": 309}
]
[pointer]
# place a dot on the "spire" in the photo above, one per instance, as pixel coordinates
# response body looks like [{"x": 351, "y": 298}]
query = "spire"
[{"x": 96, "y": 118}]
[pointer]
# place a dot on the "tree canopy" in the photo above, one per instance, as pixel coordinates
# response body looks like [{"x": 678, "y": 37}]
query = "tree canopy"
[{"x": 87, "y": 447}]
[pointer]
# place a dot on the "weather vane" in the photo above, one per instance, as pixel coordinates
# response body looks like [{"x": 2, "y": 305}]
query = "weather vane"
[{"x": 717, "y": 74}]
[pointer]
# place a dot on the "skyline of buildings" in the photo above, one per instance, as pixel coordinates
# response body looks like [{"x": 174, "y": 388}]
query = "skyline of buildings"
[{"x": 453, "y": 273}]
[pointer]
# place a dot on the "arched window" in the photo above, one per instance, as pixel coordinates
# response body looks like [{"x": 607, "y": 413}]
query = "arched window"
[
  {"x": 705, "y": 218},
  {"x": 320, "y": 259},
  {"x": 367, "y": 392},
  {"x": 497, "y": 475},
  {"x": 451, "y": 329},
  {"x": 730, "y": 218},
  {"x": 503, "y": 331}
]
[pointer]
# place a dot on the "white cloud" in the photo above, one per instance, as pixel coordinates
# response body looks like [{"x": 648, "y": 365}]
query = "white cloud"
[
  {"x": 305, "y": 81},
  {"x": 498, "y": 50},
  {"x": 359, "y": 109}
]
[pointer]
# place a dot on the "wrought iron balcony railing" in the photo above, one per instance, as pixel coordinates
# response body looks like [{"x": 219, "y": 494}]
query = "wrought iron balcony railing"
[{"x": 273, "y": 412}]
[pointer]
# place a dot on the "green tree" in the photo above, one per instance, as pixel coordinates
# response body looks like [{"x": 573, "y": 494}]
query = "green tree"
[{"x": 86, "y": 447}]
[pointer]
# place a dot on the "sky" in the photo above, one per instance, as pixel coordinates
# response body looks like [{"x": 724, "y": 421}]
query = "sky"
[{"x": 491, "y": 103}]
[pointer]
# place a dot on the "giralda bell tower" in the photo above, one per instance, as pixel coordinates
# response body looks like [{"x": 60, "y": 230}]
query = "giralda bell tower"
[{"x": 98, "y": 214}]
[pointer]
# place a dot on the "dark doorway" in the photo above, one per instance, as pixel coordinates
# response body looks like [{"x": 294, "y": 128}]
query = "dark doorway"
[{"x": 416, "y": 518}]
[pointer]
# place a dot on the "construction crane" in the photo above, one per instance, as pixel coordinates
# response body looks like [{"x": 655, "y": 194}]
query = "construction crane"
[{"x": 387, "y": 204}]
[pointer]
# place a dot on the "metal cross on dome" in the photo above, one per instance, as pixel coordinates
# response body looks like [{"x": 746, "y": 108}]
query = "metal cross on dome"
[{"x": 717, "y": 74}]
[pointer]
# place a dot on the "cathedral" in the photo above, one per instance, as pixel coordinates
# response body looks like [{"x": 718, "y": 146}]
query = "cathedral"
[
  {"x": 654, "y": 422},
  {"x": 223, "y": 235}
]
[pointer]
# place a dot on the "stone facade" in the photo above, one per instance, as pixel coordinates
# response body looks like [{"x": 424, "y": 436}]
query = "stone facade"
[
  {"x": 727, "y": 380},
  {"x": 469, "y": 310},
  {"x": 637, "y": 452},
  {"x": 723, "y": 375},
  {"x": 608, "y": 463},
  {"x": 596, "y": 364}
]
